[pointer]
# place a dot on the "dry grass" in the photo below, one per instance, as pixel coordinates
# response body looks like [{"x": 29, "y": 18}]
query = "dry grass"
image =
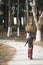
[
  {"x": 3, "y": 63},
  {"x": 6, "y": 52}
]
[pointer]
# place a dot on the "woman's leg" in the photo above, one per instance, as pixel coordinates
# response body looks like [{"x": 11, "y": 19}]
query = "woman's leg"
[{"x": 30, "y": 52}]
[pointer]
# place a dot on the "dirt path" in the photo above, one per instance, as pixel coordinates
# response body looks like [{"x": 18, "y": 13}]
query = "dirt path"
[{"x": 21, "y": 55}]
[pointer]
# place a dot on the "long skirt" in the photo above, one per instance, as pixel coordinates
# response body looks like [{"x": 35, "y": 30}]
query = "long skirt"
[{"x": 30, "y": 50}]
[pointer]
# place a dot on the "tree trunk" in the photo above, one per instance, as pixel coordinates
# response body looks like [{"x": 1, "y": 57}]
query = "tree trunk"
[
  {"x": 15, "y": 20},
  {"x": 27, "y": 15},
  {"x": 27, "y": 12},
  {"x": 6, "y": 18},
  {"x": 9, "y": 33},
  {"x": 18, "y": 34},
  {"x": 37, "y": 22},
  {"x": 22, "y": 22},
  {"x": 18, "y": 21},
  {"x": 25, "y": 19},
  {"x": 38, "y": 35},
  {"x": 38, "y": 32}
]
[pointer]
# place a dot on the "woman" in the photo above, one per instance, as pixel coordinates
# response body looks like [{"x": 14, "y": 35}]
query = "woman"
[{"x": 30, "y": 45}]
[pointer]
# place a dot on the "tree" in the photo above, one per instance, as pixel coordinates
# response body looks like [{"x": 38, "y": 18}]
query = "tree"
[
  {"x": 18, "y": 11},
  {"x": 38, "y": 23},
  {"x": 18, "y": 20},
  {"x": 9, "y": 33}
]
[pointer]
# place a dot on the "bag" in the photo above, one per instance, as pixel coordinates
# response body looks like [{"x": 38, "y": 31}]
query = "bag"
[{"x": 30, "y": 28}]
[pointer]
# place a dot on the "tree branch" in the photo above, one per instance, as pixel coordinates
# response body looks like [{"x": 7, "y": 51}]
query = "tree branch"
[
  {"x": 34, "y": 10},
  {"x": 41, "y": 18}
]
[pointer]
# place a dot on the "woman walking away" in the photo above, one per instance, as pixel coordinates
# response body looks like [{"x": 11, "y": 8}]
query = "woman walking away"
[{"x": 30, "y": 45}]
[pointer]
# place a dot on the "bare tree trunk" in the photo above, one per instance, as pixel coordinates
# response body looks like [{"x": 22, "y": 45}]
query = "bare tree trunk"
[
  {"x": 38, "y": 23},
  {"x": 22, "y": 22},
  {"x": 18, "y": 21},
  {"x": 27, "y": 14},
  {"x": 38, "y": 32},
  {"x": 25, "y": 19},
  {"x": 38, "y": 35},
  {"x": 9, "y": 33}
]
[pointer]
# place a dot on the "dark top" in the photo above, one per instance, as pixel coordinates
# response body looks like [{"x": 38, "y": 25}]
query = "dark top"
[{"x": 30, "y": 40}]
